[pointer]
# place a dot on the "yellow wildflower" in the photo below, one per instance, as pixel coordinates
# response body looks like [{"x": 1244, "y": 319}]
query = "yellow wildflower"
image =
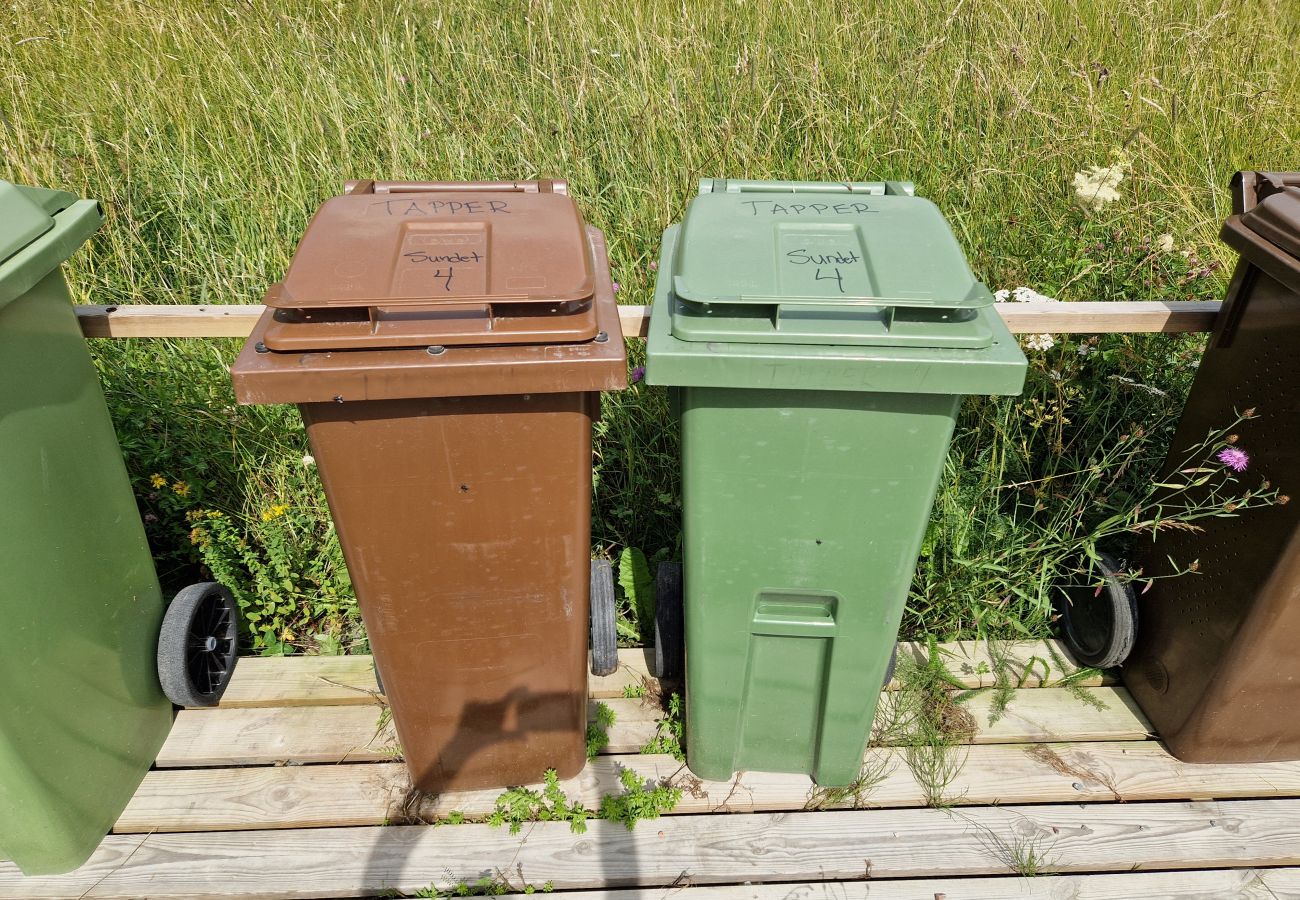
[
  {"x": 157, "y": 480},
  {"x": 181, "y": 489},
  {"x": 274, "y": 512}
]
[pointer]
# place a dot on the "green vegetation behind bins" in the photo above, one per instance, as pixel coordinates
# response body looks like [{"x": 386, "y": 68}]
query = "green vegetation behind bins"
[{"x": 211, "y": 131}]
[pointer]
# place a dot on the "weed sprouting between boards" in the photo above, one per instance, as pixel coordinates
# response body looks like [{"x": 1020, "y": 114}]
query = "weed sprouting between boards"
[
  {"x": 639, "y": 800},
  {"x": 598, "y": 730},
  {"x": 926, "y": 719},
  {"x": 877, "y": 767},
  {"x": 1027, "y": 850},
  {"x": 1072, "y": 681},
  {"x": 1009, "y": 676},
  {"x": 487, "y": 886},
  {"x": 518, "y": 805},
  {"x": 669, "y": 731}
]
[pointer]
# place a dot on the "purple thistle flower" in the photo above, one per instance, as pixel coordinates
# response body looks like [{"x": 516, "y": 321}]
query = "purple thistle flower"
[
  {"x": 1234, "y": 458},
  {"x": 638, "y": 373},
  {"x": 616, "y": 287}
]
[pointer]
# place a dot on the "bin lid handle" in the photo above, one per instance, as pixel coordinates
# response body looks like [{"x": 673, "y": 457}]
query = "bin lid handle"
[{"x": 542, "y": 186}]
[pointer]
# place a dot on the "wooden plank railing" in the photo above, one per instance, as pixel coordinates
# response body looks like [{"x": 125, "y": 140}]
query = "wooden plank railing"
[{"x": 1177, "y": 316}]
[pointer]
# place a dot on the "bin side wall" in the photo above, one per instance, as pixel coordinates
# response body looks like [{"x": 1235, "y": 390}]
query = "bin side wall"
[
  {"x": 82, "y": 716},
  {"x": 804, "y": 512},
  {"x": 465, "y": 523},
  {"x": 1215, "y": 659}
]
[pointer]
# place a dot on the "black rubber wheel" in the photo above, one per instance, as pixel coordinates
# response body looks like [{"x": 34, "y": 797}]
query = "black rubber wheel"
[
  {"x": 1098, "y": 629},
  {"x": 197, "y": 645},
  {"x": 670, "y": 642},
  {"x": 604, "y": 619},
  {"x": 889, "y": 670}
]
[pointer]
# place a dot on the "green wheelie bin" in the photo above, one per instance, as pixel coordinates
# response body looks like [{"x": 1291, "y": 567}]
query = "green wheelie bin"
[
  {"x": 818, "y": 339},
  {"x": 83, "y": 712}
]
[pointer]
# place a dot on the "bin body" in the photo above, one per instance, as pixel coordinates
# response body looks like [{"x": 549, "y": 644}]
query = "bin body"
[
  {"x": 804, "y": 583},
  {"x": 460, "y": 479},
  {"x": 82, "y": 716},
  {"x": 1215, "y": 666},
  {"x": 816, "y": 408}
]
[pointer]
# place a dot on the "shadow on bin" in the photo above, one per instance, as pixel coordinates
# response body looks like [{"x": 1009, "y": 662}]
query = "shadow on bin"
[{"x": 446, "y": 344}]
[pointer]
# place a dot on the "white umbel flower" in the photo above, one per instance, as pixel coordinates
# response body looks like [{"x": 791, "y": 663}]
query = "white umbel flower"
[
  {"x": 1096, "y": 186},
  {"x": 1021, "y": 295}
]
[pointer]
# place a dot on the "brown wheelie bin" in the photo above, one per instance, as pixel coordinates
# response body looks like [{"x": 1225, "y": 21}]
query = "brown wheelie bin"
[
  {"x": 1216, "y": 667},
  {"x": 446, "y": 344}
]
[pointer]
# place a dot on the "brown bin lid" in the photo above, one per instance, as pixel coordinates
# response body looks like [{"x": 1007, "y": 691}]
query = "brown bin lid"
[
  {"x": 1276, "y": 219},
  {"x": 1267, "y": 234},
  {"x": 419, "y": 264},
  {"x": 467, "y": 370},
  {"x": 1251, "y": 188}
]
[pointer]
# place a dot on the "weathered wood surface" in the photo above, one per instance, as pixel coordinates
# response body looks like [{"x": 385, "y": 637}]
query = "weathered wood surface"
[
  {"x": 374, "y": 793},
  {"x": 687, "y": 850},
  {"x": 342, "y": 680},
  {"x": 186, "y": 321},
  {"x": 1223, "y": 884},
  {"x": 354, "y": 733}
]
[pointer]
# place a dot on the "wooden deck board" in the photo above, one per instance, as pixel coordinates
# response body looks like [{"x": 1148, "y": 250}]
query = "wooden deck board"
[
  {"x": 320, "y": 734},
  {"x": 278, "y": 793},
  {"x": 268, "y": 797},
  {"x": 341, "y": 680},
  {"x": 695, "y": 850},
  {"x": 1222, "y": 884}
]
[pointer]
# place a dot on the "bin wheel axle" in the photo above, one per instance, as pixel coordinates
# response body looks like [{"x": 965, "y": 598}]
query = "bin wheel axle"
[
  {"x": 1099, "y": 628},
  {"x": 197, "y": 645}
]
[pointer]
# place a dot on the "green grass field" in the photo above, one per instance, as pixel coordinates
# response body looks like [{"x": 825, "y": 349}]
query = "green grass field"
[{"x": 211, "y": 131}]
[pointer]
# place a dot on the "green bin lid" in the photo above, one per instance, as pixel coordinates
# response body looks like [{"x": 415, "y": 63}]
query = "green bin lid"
[
  {"x": 39, "y": 229},
  {"x": 895, "y": 309},
  {"x": 823, "y": 264}
]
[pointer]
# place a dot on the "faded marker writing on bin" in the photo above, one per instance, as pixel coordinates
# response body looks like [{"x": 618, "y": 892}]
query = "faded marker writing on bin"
[
  {"x": 771, "y": 207},
  {"x": 832, "y": 260},
  {"x": 442, "y": 207}
]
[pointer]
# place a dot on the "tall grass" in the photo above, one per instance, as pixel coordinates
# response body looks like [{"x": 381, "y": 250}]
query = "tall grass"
[{"x": 212, "y": 130}]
